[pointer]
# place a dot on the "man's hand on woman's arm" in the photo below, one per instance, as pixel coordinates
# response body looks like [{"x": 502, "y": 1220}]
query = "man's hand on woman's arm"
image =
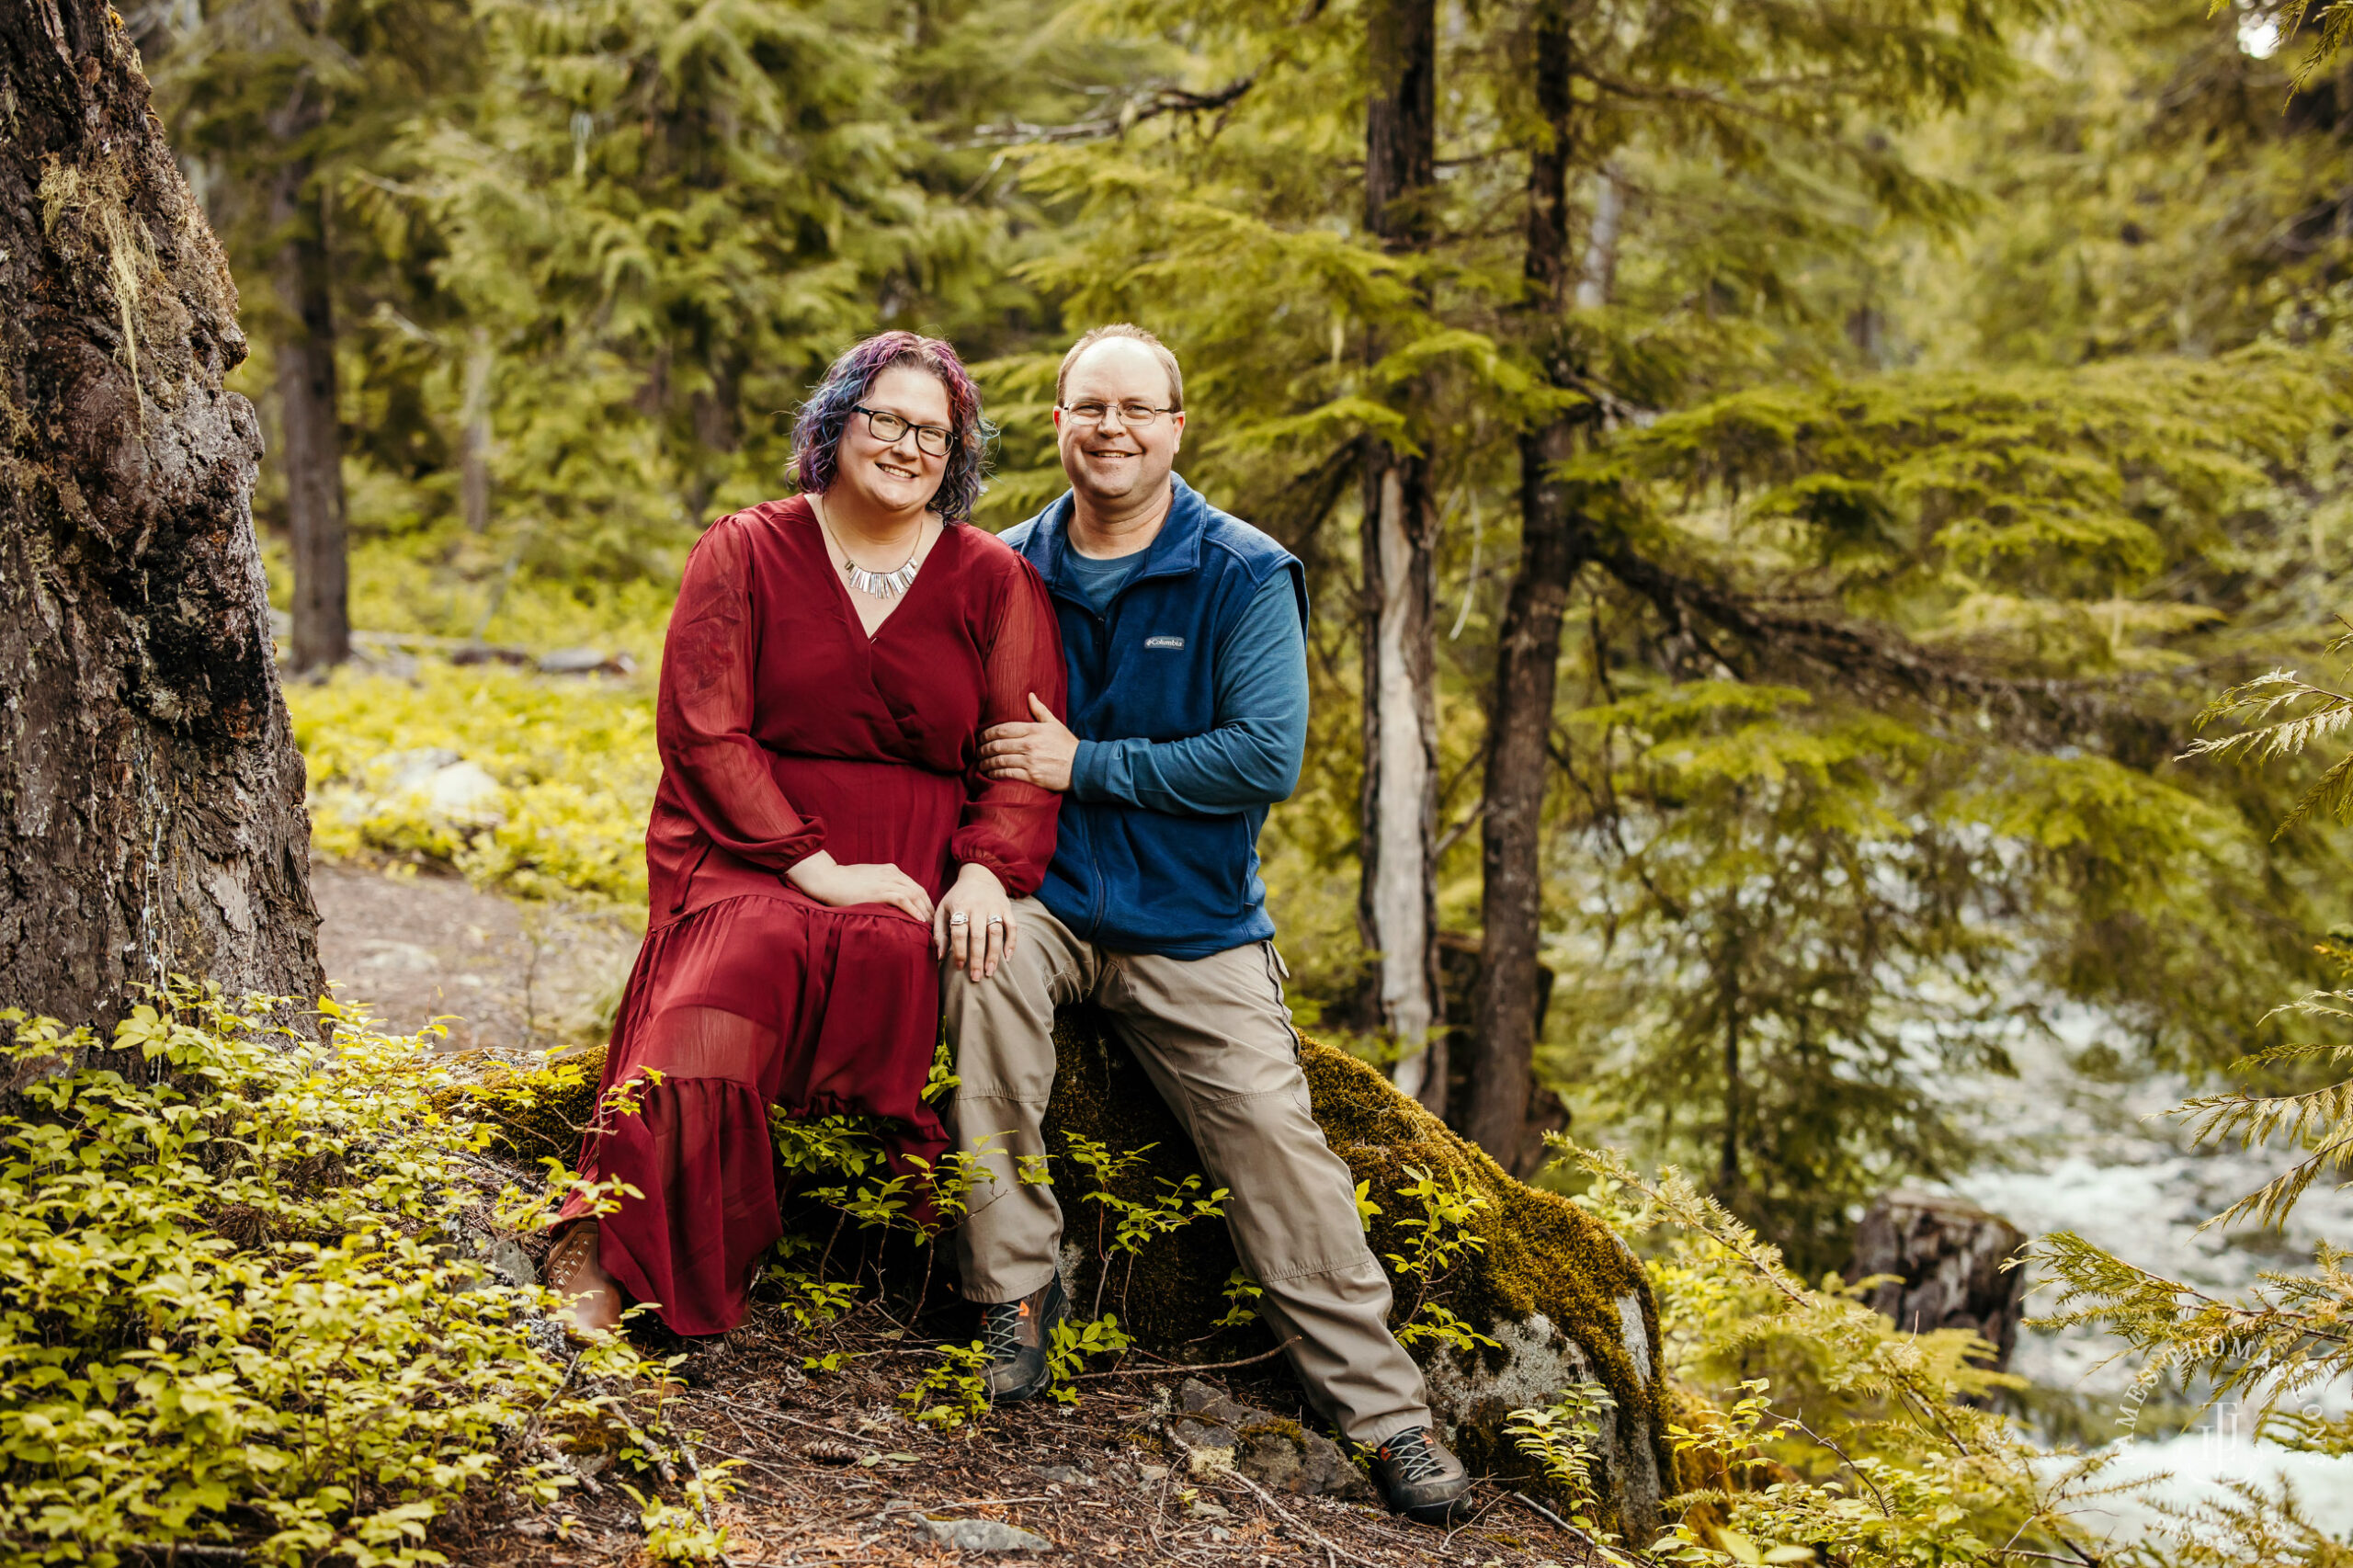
[{"x": 1040, "y": 753}]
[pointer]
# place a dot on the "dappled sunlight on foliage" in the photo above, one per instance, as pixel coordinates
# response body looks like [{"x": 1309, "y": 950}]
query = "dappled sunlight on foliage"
[
  {"x": 296, "y": 1344},
  {"x": 574, "y": 760}
]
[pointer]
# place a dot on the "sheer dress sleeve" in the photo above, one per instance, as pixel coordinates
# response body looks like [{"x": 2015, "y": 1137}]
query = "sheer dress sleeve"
[
  {"x": 702, "y": 723},
  {"x": 1008, "y": 826}
]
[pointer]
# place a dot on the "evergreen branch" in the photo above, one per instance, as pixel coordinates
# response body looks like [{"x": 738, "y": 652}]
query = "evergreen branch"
[
  {"x": 1847, "y": 652},
  {"x": 2321, "y": 1119},
  {"x": 2266, "y": 737},
  {"x": 2333, "y": 795},
  {"x": 1669, "y": 92},
  {"x": 2293, "y": 1331},
  {"x": 2336, "y": 31},
  {"x": 1148, "y": 104}
]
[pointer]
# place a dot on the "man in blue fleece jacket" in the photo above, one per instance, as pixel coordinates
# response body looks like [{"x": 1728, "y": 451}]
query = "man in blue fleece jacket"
[{"x": 1184, "y": 629}]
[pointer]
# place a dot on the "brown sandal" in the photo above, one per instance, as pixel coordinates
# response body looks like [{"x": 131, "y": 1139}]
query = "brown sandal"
[{"x": 592, "y": 1301}]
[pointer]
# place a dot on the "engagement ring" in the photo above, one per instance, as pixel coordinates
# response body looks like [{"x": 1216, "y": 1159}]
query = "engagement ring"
[{"x": 959, "y": 920}]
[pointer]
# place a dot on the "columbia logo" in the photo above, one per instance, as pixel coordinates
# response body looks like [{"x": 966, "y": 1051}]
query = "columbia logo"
[{"x": 1163, "y": 642}]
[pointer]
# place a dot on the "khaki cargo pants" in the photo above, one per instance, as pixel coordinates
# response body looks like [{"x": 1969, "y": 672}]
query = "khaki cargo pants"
[{"x": 1216, "y": 1039}]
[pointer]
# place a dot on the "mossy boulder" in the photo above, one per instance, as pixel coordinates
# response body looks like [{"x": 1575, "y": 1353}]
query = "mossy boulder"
[
  {"x": 1563, "y": 1298},
  {"x": 534, "y": 1113}
]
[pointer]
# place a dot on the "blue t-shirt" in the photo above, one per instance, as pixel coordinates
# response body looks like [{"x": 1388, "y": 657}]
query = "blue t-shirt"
[
  {"x": 1254, "y": 753},
  {"x": 1098, "y": 582}
]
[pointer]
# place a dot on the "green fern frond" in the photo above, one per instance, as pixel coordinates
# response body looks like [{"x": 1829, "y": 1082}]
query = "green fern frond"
[
  {"x": 2332, "y": 795},
  {"x": 2290, "y": 1334}
]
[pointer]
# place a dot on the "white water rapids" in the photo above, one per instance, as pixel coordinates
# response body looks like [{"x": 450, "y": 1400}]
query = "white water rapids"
[{"x": 2103, "y": 1161}]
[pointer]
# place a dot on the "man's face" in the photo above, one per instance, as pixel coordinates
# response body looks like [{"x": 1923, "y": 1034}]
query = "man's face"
[{"x": 1112, "y": 462}]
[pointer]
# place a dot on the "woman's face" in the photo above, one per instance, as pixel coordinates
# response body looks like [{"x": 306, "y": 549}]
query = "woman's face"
[{"x": 893, "y": 477}]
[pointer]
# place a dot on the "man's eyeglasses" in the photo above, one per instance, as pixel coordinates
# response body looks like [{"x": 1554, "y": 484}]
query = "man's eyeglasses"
[
  {"x": 889, "y": 427},
  {"x": 1134, "y": 416}
]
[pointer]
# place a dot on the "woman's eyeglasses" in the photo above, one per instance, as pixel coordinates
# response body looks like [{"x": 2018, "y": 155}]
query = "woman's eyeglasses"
[
  {"x": 1134, "y": 416},
  {"x": 888, "y": 428}
]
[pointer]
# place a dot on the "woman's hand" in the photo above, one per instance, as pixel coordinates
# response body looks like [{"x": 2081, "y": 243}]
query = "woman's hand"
[
  {"x": 984, "y": 937},
  {"x": 830, "y": 883}
]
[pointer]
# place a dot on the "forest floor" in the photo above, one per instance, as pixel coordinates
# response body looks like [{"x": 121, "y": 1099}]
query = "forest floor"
[
  {"x": 417, "y": 946},
  {"x": 833, "y": 1472}
]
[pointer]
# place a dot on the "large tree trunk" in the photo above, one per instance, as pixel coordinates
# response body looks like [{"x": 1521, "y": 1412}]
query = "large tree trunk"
[
  {"x": 1528, "y": 654},
  {"x": 1397, "y": 898},
  {"x": 313, "y": 460},
  {"x": 150, "y": 797}
]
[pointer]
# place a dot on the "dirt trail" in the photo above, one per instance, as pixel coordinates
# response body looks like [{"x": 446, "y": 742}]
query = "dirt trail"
[{"x": 497, "y": 973}]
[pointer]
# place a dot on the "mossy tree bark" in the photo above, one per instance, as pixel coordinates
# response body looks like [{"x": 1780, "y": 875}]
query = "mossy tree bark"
[{"x": 150, "y": 797}]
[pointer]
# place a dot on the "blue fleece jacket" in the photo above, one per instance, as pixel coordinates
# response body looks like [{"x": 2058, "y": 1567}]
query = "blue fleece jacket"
[
  {"x": 1190, "y": 726},
  {"x": 1253, "y": 756}
]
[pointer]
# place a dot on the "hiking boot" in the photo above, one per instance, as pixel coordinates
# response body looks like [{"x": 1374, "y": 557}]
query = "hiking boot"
[
  {"x": 591, "y": 1298},
  {"x": 1417, "y": 1477},
  {"x": 1016, "y": 1335}
]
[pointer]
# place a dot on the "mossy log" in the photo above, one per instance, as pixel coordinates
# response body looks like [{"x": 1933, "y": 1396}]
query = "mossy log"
[{"x": 1563, "y": 1299}]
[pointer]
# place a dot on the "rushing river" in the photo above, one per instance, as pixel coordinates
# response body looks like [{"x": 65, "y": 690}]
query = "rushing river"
[{"x": 2102, "y": 1160}]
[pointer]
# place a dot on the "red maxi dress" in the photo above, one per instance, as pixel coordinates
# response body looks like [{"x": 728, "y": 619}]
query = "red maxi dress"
[{"x": 783, "y": 730}]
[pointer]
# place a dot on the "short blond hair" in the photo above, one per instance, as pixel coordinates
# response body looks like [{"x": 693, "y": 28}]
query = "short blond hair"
[{"x": 1134, "y": 333}]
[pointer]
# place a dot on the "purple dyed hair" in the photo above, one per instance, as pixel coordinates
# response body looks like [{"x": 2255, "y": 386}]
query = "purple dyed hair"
[{"x": 817, "y": 428}]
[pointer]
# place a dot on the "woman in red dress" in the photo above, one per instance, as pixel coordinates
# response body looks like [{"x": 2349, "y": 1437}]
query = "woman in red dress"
[{"x": 822, "y": 834}]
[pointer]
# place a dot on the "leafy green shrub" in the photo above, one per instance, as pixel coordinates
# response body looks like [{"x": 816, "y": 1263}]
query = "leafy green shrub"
[
  {"x": 234, "y": 1304},
  {"x": 1860, "y": 1444},
  {"x": 1435, "y": 1243},
  {"x": 575, "y": 761},
  {"x": 953, "y": 1391},
  {"x": 1564, "y": 1437}
]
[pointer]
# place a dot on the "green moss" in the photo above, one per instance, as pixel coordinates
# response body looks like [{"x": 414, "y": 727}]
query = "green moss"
[{"x": 538, "y": 1112}]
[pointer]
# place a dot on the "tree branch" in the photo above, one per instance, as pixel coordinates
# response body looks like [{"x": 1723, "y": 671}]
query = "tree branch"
[
  {"x": 1857, "y": 656},
  {"x": 1148, "y": 104}
]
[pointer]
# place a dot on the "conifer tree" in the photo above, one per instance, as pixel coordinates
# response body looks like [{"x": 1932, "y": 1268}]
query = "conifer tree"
[
  {"x": 1959, "y": 801},
  {"x": 1462, "y": 343},
  {"x": 1665, "y": 83},
  {"x": 664, "y": 218},
  {"x": 291, "y": 104},
  {"x": 2166, "y": 187},
  {"x": 1499, "y": 1075}
]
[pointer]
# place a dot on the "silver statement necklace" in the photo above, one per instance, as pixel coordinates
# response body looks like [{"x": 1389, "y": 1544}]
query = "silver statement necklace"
[{"x": 877, "y": 584}]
